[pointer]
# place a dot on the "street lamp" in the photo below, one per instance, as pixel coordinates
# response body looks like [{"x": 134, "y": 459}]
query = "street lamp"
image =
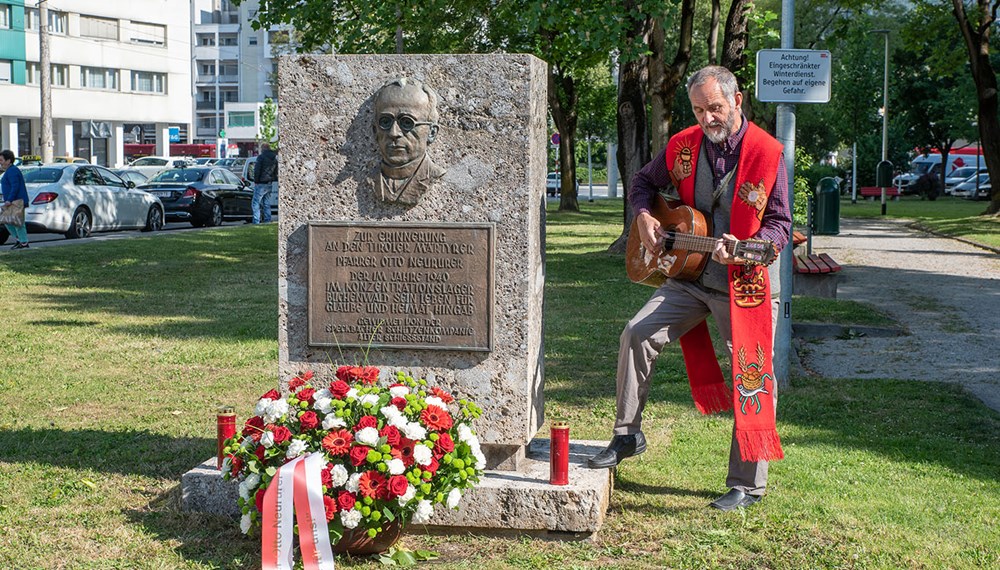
[{"x": 883, "y": 173}]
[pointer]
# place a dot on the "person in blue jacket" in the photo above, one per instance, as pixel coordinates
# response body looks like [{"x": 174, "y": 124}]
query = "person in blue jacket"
[{"x": 12, "y": 184}]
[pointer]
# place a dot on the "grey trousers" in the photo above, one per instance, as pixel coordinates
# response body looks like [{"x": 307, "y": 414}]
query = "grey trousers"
[{"x": 674, "y": 309}]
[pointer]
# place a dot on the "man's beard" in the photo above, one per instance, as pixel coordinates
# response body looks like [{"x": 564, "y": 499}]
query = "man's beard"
[{"x": 718, "y": 137}]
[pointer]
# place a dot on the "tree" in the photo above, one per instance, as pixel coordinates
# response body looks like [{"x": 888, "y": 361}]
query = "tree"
[
  {"x": 976, "y": 35},
  {"x": 268, "y": 124}
]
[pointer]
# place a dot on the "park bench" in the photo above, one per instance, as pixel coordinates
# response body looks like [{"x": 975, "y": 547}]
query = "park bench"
[
  {"x": 815, "y": 275},
  {"x": 875, "y": 192}
]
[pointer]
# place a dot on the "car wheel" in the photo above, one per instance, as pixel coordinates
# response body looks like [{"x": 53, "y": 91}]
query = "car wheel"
[
  {"x": 154, "y": 220},
  {"x": 81, "y": 225},
  {"x": 216, "y": 218},
  {"x": 4, "y": 235}
]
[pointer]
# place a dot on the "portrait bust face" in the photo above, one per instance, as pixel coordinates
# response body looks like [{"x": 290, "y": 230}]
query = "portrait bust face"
[{"x": 404, "y": 124}]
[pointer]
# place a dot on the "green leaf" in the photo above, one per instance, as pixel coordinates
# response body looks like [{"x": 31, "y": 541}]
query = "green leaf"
[
  {"x": 404, "y": 557},
  {"x": 389, "y": 517},
  {"x": 386, "y": 560},
  {"x": 423, "y": 555}
]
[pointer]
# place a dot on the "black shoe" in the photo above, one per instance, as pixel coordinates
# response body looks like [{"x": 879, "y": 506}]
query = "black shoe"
[
  {"x": 621, "y": 446},
  {"x": 735, "y": 499},
  {"x": 20, "y": 245}
]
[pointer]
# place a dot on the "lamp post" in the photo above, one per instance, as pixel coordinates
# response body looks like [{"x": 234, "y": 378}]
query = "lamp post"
[{"x": 884, "y": 166}]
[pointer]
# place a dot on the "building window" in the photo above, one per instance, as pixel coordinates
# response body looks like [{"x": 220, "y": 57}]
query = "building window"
[
  {"x": 57, "y": 22},
  {"x": 149, "y": 34},
  {"x": 5, "y": 70},
  {"x": 253, "y": 40},
  {"x": 4, "y": 16},
  {"x": 94, "y": 27},
  {"x": 206, "y": 123},
  {"x": 242, "y": 119},
  {"x": 229, "y": 40},
  {"x": 230, "y": 96},
  {"x": 99, "y": 78},
  {"x": 149, "y": 82},
  {"x": 206, "y": 40},
  {"x": 60, "y": 75}
]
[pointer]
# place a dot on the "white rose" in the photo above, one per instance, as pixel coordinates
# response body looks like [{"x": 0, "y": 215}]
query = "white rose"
[
  {"x": 267, "y": 440},
  {"x": 435, "y": 401},
  {"x": 423, "y": 512},
  {"x": 399, "y": 422},
  {"x": 352, "y": 393},
  {"x": 245, "y": 524},
  {"x": 252, "y": 481},
  {"x": 352, "y": 482},
  {"x": 338, "y": 476},
  {"x": 330, "y": 422},
  {"x": 367, "y": 436},
  {"x": 406, "y": 497},
  {"x": 414, "y": 431},
  {"x": 350, "y": 519},
  {"x": 261, "y": 408},
  {"x": 396, "y": 466},
  {"x": 422, "y": 454},
  {"x": 399, "y": 391},
  {"x": 295, "y": 449},
  {"x": 244, "y": 491},
  {"x": 480, "y": 459},
  {"x": 324, "y": 405},
  {"x": 464, "y": 432},
  {"x": 321, "y": 394},
  {"x": 275, "y": 410},
  {"x": 453, "y": 498},
  {"x": 389, "y": 412},
  {"x": 369, "y": 400}
]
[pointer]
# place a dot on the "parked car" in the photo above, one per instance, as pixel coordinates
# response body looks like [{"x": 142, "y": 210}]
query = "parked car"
[
  {"x": 967, "y": 188},
  {"x": 202, "y": 195},
  {"x": 150, "y": 165},
  {"x": 205, "y": 161},
  {"x": 234, "y": 165},
  {"x": 960, "y": 175},
  {"x": 553, "y": 183},
  {"x": 130, "y": 175},
  {"x": 69, "y": 160},
  {"x": 272, "y": 198},
  {"x": 78, "y": 199}
]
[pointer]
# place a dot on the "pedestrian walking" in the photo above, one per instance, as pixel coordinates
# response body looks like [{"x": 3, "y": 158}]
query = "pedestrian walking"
[
  {"x": 15, "y": 199},
  {"x": 265, "y": 174}
]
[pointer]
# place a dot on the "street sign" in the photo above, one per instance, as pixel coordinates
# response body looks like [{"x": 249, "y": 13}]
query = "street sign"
[
  {"x": 222, "y": 134},
  {"x": 175, "y": 134},
  {"x": 555, "y": 139},
  {"x": 793, "y": 76}
]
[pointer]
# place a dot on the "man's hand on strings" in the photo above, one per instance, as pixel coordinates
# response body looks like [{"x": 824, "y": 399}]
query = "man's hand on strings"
[{"x": 650, "y": 232}]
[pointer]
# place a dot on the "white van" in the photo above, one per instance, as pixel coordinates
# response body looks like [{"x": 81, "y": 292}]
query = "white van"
[{"x": 925, "y": 163}]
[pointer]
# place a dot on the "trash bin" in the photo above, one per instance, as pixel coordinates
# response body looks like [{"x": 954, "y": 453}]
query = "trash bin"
[{"x": 826, "y": 220}]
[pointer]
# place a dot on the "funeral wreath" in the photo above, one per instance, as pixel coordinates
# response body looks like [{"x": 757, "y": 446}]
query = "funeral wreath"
[{"x": 392, "y": 452}]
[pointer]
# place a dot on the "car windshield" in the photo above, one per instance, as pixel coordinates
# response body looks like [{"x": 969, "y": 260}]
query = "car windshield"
[
  {"x": 179, "y": 175},
  {"x": 42, "y": 175},
  {"x": 921, "y": 167}
]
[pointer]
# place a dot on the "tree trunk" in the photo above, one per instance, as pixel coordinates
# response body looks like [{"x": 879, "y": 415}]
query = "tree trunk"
[
  {"x": 563, "y": 99},
  {"x": 977, "y": 42},
  {"x": 713, "y": 33},
  {"x": 664, "y": 80},
  {"x": 633, "y": 136},
  {"x": 734, "y": 44}
]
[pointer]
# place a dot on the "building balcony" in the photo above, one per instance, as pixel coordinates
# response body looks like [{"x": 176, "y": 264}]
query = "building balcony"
[
  {"x": 206, "y": 106},
  {"x": 228, "y": 78},
  {"x": 207, "y": 132}
]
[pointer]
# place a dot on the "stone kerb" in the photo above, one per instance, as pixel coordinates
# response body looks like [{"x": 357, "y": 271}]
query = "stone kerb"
[{"x": 491, "y": 142}]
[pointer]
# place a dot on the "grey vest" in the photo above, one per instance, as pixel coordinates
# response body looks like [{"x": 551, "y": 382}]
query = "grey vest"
[{"x": 715, "y": 276}]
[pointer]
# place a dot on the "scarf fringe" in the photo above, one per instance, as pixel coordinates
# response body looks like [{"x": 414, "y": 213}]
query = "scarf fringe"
[
  {"x": 759, "y": 445},
  {"x": 712, "y": 398}
]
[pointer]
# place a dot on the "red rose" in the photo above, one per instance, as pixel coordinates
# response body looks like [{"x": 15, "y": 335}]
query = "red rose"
[
  {"x": 366, "y": 422},
  {"x": 254, "y": 427},
  {"x": 259, "y": 452},
  {"x": 445, "y": 444},
  {"x": 397, "y": 486},
  {"x": 432, "y": 467},
  {"x": 337, "y": 442},
  {"x": 307, "y": 375},
  {"x": 436, "y": 418},
  {"x": 367, "y": 375},
  {"x": 236, "y": 464},
  {"x": 271, "y": 395},
  {"x": 307, "y": 395},
  {"x": 399, "y": 403},
  {"x": 359, "y": 454},
  {"x": 445, "y": 396},
  {"x": 346, "y": 500},
  {"x": 308, "y": 421},
  {"x": 326, "y": 477},
  {"x": 373, "y": 484},
  {"x": 295, "y": 383},
  {"x": 391, "y": 435},
  {"x": 281, "y": 434},
  {"x": 259, "y": 500},
  {"x": 330, "y": 506},
  {"x": 339, "y": 389}
]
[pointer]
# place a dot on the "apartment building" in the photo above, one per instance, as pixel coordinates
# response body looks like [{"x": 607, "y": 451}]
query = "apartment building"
[{"x": 120, "y": 72}]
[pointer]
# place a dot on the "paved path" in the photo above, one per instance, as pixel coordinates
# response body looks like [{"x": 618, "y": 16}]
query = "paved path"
[{"x": 945, "y": 292}]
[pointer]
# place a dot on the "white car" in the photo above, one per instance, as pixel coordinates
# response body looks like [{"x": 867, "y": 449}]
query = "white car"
[
  {"x": 150, "y": 165},
  {"x": 959, "y": 175},
  {"x": 77, "y": 199}
]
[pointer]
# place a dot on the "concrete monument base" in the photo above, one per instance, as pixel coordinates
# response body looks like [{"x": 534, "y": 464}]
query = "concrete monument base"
[{"x": 520, "y": 500}]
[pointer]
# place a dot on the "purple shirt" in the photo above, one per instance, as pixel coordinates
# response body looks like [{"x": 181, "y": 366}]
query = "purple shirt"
[{"x": 775, "y": 226}]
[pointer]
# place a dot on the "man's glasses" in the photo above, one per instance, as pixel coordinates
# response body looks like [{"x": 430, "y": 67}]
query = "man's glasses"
[{"x": 406, "y": 123}]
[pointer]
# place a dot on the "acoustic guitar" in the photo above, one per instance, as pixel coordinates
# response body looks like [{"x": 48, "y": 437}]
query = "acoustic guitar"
[{"x": 686, "y": 248}]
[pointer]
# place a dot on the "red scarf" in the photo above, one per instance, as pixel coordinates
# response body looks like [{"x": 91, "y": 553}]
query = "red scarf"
[{"x": 749, "y": 298}]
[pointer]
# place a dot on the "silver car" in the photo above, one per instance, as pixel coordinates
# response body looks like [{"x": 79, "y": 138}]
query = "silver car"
[{"x": 77, "y": 199}]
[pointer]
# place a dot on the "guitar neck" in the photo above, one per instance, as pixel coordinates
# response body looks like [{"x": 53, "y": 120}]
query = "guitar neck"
[{"x": 701, "y": 244}]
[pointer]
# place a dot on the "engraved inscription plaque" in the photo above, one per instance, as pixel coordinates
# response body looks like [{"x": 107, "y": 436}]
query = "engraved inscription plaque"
[{"x": 401, "y": 285}]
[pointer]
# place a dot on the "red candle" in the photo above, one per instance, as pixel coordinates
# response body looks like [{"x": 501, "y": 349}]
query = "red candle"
[
  {"x": 225, "y": 428},
  {"x": 559, "y": 454}
]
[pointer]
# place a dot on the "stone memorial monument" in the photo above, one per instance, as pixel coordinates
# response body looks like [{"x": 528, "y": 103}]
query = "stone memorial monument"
[{"x": 411, "y": 237}]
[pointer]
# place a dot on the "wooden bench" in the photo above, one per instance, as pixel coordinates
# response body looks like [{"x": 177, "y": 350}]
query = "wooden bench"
[
  {"x": 875, "y": 192},
  {"x": 815, "y": 275},
  {"x": 798, "y": 238}
]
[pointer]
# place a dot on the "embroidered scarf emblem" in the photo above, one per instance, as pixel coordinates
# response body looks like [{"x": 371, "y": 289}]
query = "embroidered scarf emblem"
[
  {"x": 750, "y": 381},
  {"x": 753, "y": 195},
  {"x": 749, "y": 289}
]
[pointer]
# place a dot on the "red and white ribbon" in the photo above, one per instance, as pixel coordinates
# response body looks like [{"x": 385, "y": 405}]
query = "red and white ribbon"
[{"x": 296, "y": 490}]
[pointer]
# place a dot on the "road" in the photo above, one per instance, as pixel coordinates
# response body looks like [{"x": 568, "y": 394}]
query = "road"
[{"x": 600, "y": 192}]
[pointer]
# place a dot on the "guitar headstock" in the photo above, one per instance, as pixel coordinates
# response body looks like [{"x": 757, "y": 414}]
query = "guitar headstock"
[{"x": 756, "y": 251}]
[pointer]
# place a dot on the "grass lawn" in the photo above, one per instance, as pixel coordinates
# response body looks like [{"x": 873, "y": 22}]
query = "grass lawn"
[{"x": 116, "y": 354}]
